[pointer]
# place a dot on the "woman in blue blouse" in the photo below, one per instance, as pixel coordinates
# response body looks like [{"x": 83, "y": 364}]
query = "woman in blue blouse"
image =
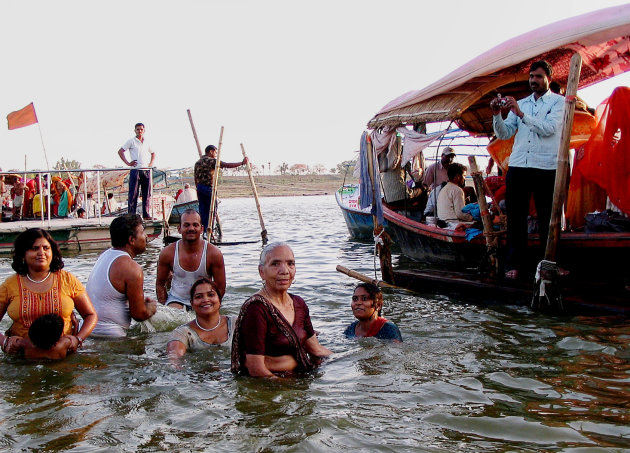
[{"x": 367, "y": 303}]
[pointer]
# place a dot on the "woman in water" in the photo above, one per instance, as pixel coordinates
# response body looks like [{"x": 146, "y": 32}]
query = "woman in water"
[
  {"x": 273, "y": 332},
  {"x": 41, "y": 286},
  {"x": 209, "y": 327},
  {"x": 367, "y": 303}
]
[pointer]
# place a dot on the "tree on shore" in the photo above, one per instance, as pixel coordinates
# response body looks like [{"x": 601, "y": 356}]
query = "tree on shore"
[
  {"x": 63, "y": 164},
  {"x": 298, "y": 169},
  {"x": 346, "y": 165},
  {"x": 282, "y": 169}
]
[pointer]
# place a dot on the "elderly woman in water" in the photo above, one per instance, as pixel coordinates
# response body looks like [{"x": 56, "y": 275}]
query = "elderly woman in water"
[
  {"x": 209, "y": 328},
  {"x": 367, "y": 303},
  {"x": 273, "y": 332},
  {"x": 39, "y": 287}
]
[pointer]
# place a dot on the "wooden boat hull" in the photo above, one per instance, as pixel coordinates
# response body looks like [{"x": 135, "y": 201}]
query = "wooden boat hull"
[
  {"x": 359, "y": 221},
  {"x": 71, "y": 234},
  {"x": 178, "y": 210}
]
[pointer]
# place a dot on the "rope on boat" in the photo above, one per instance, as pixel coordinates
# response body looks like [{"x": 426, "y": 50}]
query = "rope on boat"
[{"x": 377, "y": 241}]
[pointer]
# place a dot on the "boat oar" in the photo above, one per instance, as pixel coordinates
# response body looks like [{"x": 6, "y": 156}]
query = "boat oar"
[
  {"x": 547, "y": 284},
  {"x": 263, "y": 232},
  {"x": 215, "y": 183},
  {"x": 363, "y": 278},
  {"x": 491, "y": 238},
  {"x": 192, "y": 125}
]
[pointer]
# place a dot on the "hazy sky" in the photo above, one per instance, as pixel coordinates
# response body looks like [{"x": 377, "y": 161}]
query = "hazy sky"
[{"x": 293, "y": 81}]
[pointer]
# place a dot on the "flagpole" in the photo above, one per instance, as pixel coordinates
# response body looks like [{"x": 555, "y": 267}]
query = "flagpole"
[{"x": 43, "y": 147}]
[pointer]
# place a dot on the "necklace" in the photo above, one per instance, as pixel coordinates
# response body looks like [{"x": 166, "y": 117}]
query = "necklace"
[
  {"x": 208, "y": 330},
  {"x": 38, "y": 281},
  {"x": 289, "y": 306}
]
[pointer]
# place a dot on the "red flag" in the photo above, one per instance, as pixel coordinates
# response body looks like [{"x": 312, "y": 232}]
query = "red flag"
[{"x": 23, "y": 117}]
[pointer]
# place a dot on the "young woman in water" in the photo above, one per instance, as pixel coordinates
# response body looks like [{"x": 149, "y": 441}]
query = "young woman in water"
[{"x": 367, "y": 303}]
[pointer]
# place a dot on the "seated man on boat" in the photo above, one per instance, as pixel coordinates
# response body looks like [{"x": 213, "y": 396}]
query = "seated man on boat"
[
  {"x": 187, "y": 195},
  {"x": 186, "y": 261},
  {"x": 398, "y": 194},
  {"x": 435, "y": 177},
  {"x": 115, "y": 285},
  {"x": 452, "y": 198}
]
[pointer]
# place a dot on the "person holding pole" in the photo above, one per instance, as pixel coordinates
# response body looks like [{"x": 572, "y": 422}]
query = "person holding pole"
[
  {"x": 204, "y": 175},
  {"x": 537, "y": 122},
  {"x": 141, "y": 156}
]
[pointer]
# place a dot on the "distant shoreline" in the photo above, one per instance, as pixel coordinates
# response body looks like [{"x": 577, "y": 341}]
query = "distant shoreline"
[{"x": 274, "y": 185}]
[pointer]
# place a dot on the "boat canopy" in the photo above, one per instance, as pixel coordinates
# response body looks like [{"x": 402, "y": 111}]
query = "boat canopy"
[{"x": 601, "y": 37}]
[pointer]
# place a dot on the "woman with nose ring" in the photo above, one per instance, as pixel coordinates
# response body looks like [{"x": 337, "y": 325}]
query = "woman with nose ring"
[
  {"x": 273, "y": 332},
  {"x": 209, "y": 328},
  {"x": 367, "y": 303}
]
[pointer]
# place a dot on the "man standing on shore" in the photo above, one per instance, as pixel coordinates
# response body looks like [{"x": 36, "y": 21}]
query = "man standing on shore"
[
  {"x": 141, "y": 156},
  {"x": 187, "y": 261},
  {"x": 115, "y": 285},
  {"x": 537, "y": 122},
  {"x": 204, "y": 176}
]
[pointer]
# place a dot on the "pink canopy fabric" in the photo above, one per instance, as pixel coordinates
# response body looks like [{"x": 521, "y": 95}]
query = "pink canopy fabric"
[{"x": 601, "y": 37}]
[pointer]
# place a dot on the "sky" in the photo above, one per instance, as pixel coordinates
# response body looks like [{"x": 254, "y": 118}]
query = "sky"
[{"x": 292, "y": 81}]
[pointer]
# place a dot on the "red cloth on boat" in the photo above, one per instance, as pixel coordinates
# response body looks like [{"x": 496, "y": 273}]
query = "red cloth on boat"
[{"x": 606, "y": 157}]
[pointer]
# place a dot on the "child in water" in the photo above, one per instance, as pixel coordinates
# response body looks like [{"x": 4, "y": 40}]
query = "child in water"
[{"x": 44, "y": 339}]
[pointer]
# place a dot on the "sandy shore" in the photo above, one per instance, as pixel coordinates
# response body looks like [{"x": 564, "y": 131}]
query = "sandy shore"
[{"x": 277, "y": 185}]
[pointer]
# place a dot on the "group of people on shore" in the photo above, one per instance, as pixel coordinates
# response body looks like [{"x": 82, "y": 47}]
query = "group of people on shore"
[{"x": 272, "y": 334}]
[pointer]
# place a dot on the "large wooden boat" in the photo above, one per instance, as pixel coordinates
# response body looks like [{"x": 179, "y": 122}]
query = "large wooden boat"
[{"x": 602, "y": 38}]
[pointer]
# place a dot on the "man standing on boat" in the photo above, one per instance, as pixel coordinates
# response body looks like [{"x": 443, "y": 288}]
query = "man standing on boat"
[
  {"x": 537, "y": 122},
  {"x": 204, "y": 176},
  {"x": 141, "y": 156},
  {"x": 116, "y": 283},
  {"x": 187, "y": 261}
]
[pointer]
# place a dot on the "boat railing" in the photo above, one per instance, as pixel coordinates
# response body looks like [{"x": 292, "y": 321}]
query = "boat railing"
[{"x": 47, "y": 175}]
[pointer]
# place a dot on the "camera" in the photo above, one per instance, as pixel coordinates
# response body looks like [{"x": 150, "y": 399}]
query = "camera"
[{"x": 502, "y": 102}]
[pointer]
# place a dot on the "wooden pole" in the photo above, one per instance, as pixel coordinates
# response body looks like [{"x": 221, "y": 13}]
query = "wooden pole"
[
  {"x": 363, "y": 278},
  {"x": 263, "y": 232},
  {"x": 491, "y": 239},
  {"x": 215, "y": 183},
  {"x": 560, "y": 188},
  {"x": 192, "y": 125}
]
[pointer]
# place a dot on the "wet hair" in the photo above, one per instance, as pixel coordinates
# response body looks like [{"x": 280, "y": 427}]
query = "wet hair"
[
  {"x": 25, "y": 242},
  {"x": 375, "y": 293},
  {"x": 210, "y": 148},
  {"x": 268, "y": 249},
  {"x": 201, "y": 281},
  {"x": 124, "y": 227},
  {"x": 138, "y": 124},
  {"x": 454, "y": 170},
  {"x": 46, "y": 330},
  {"x": 544, "y": 65}
]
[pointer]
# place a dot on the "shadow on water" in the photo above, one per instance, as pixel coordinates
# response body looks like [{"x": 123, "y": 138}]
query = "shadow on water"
[{"x": 468, "y": 377}]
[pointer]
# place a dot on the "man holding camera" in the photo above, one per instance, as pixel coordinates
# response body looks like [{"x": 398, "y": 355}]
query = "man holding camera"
[{"x": 537, "y": 122}]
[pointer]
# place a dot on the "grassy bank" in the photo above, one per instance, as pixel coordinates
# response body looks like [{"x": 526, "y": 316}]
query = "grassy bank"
[{"x": 276, "y": 185}]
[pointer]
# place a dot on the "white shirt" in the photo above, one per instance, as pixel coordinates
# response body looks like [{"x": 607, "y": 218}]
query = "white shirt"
[
  {"x": 187, "y": 195},
  {"x": 139, "y": 151}
]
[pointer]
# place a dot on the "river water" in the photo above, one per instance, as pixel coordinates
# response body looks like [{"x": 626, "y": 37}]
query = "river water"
[{"x": 468, "y": 377}]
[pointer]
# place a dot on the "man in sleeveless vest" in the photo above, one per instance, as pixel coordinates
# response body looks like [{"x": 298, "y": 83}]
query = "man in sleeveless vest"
[
  {"x": 115, "y": 285},
  {"x": 186, "y": 261}
]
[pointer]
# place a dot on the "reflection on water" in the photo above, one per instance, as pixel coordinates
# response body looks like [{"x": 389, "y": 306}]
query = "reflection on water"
[{"x": 467, "y": 378}]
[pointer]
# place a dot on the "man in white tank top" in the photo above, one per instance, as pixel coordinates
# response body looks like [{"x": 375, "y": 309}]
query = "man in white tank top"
[
  {"x": 115, "y": 285},
  {"x": 186, "y": 261}
]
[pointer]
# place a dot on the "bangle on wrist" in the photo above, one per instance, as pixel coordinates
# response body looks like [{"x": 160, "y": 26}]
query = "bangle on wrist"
[
  {"x": 80, "y": 341},
  {"x": 5, "y": 343}
]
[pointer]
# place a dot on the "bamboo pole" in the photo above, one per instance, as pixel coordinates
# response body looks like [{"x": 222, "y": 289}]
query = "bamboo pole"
[
  {"x": 363, "y": 278},
  {"x": 194, "y": 131},
  {"x": 215, "y": 183},
  {"x": 263, "y": 232},
  {"x": 560, "y": 188},
  {"x": 491, "y": 239}
]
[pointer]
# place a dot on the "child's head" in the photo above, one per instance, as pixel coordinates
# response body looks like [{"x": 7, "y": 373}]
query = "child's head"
[{"x": 46, "y": 330}]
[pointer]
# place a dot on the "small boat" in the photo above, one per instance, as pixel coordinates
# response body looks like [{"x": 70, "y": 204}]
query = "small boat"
[
  {"x": 178, "y": 209},
  {"x": 359, "y": 221},
  {"x": 462, "y": 97}
]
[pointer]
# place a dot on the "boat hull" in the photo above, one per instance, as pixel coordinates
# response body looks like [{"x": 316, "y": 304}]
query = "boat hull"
[
  {"x": 359, "y": 221},
  {"x": 71, "y": 234},
  {"x": 178, "y": 209}
]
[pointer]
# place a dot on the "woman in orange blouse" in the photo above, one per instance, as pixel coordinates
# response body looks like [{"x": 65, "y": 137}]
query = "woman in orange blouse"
[{"x": 39, "y": 287}]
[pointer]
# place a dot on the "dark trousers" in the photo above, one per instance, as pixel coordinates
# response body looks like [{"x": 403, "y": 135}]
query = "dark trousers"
[
  {"x": 204, "y": 196},
  {"x": 520, "y": 184},
  {"x": 139, "y": 178}
]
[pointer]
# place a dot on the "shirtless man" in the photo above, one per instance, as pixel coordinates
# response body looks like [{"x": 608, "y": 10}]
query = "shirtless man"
[
  {"x": 17, "y": 194},
  {"x": 186, "y": 261},
  {"x": 115, "y": 285}
]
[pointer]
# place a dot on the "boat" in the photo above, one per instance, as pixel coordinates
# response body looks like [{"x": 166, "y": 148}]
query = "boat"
[
  {"x": 178, "y": 209},
  {"x": 91, "y": 233},
  {"x": 462, "y": 99},
  {"x": 359, "y": 221}
]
